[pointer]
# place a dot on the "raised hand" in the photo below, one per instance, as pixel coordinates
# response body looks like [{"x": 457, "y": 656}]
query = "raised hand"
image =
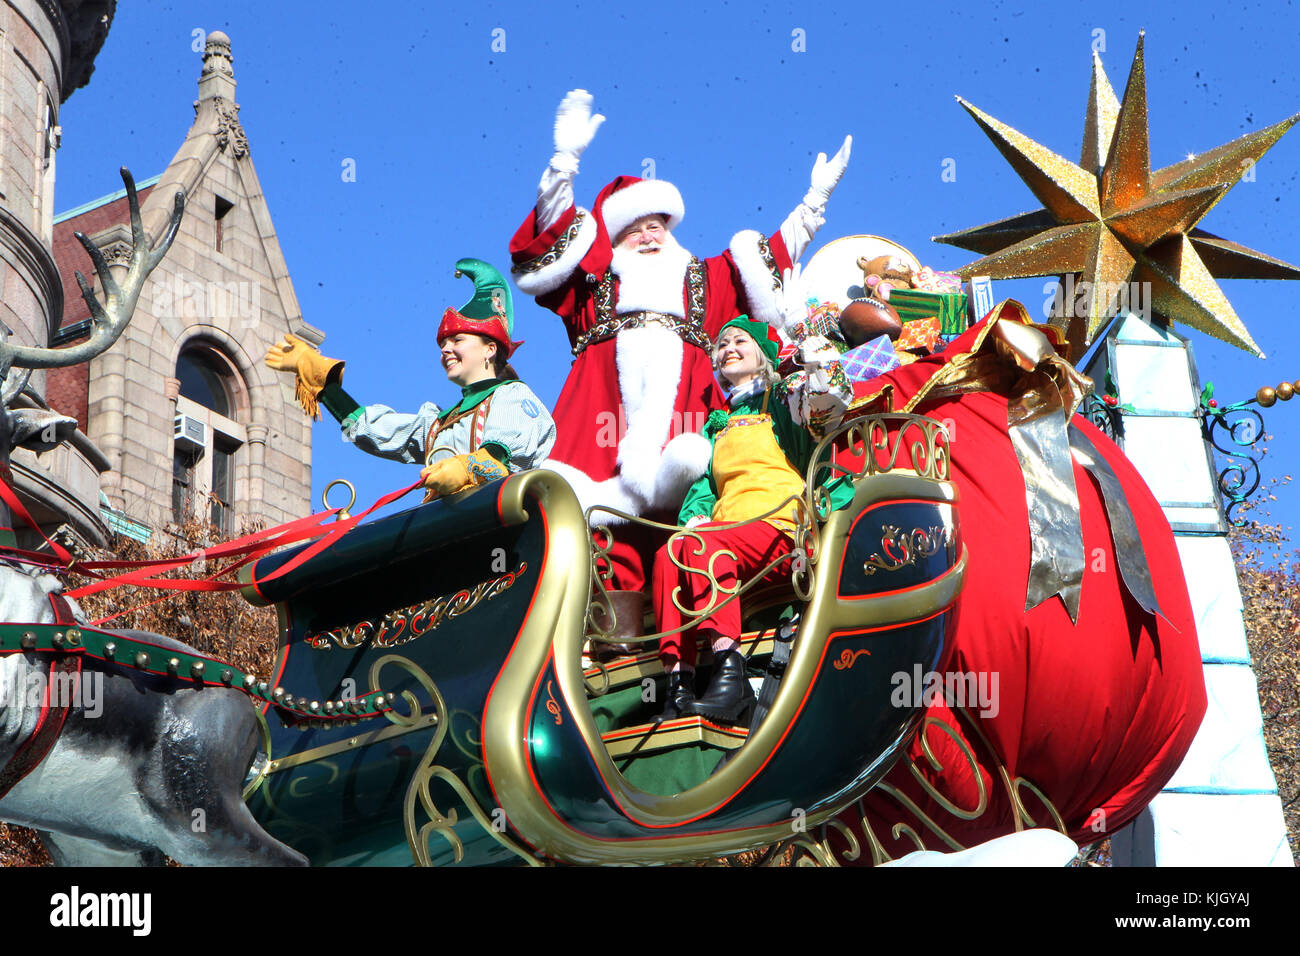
[
  {"x": 314, "y": 371},
  {"x": 826, "y": 173},
  {"x": 794, "y": 302},
  {"x": 286, "y": 354},
  {"x": 575, "y": 128}
]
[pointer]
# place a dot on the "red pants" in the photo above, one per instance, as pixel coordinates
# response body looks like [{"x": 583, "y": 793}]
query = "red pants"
[
  {"x": 623, "y": 566},
  {"x": 734, "y": 555}
]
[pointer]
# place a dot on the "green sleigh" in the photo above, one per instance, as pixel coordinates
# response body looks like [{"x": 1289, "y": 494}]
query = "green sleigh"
[{"x": 507, "y": 743}]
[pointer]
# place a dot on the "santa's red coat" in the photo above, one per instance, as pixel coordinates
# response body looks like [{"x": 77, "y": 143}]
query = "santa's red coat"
[{"x": 590, "y": 409}]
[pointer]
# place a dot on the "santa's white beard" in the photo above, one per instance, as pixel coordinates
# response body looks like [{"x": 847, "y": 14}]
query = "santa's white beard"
[{"x": 651, "y": 282}]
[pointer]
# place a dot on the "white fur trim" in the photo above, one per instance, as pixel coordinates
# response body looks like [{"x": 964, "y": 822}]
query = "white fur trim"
[
  {"x": 685, "y": 459},
  {"x": 610, "y": 492},
  {"x": 761, "y": 287},
  {"x": 652, "y": 283},
  {"x": 553, "y": 275},
  {"x": 644, "y": 198},
  {"x": 651, "y": 476},
  {"x": 649, "y": 370}
]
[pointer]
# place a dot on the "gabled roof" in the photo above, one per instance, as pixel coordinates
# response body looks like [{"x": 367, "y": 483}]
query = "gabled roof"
[{"x": 216, "y": 130}]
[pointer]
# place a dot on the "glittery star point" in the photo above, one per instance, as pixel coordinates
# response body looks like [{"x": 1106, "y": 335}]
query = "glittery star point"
[{"x": 1115, "y": 221}]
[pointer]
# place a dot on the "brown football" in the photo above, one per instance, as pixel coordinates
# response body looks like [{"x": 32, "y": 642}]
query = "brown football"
[{"x": 864, "y": 319}]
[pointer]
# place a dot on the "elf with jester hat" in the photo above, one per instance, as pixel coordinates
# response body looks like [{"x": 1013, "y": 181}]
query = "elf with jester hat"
[
  {"x": 498, "y": 427},
  {"x": 762, "y": 447}
]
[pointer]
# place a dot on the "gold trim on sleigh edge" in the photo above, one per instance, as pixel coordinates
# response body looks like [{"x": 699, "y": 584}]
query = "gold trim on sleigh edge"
[
  {"x": 556, "y": 624},
  {"x": 871, "y": 436}
]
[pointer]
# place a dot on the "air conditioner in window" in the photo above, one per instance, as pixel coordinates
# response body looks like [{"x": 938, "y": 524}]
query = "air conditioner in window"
[{"x": 190, "y": 434}]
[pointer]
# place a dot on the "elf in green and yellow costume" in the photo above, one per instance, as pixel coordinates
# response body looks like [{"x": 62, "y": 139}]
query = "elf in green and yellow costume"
[
  {"x": 498, "y": 426},
  {"x": 761, "y": 450}
]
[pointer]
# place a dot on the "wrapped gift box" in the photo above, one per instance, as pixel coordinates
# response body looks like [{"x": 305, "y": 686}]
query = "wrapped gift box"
[
  {"x": 869, "y": 359},
  {"x": 915, "y": 306},
  {"x": 920, "y": 334}
]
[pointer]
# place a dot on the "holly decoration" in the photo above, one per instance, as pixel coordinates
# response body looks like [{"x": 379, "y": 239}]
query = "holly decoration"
[
  {"x": 1210, "y": 404},
  {"x": 1110, "y": 396}
]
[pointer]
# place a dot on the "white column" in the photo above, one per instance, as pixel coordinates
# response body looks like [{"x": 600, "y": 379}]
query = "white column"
[{"x": 1222, "y": 806}]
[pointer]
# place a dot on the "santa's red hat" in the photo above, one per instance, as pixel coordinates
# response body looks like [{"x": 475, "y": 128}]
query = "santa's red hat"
[
  {"x": 627, "y": 199},
  {"x": 622, "y": 203}
]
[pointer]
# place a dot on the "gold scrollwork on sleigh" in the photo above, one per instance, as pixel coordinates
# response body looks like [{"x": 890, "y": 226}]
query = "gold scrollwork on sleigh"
[
  {"x": 602, "y": 622},
  {"x": 835, "y": 842},
  {"x": 403, "y": 625},
  {"x": 879, "y": 440},
  {"x": 902, "y": 548},
  {"x": 418, "y": 791}
]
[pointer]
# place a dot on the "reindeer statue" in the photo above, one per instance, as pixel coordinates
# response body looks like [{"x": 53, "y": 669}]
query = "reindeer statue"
[{"x": 151, "y": 766}]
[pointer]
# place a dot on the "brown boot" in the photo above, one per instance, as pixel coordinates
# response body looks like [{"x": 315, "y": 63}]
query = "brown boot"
[{"x": 629, "y": 614}]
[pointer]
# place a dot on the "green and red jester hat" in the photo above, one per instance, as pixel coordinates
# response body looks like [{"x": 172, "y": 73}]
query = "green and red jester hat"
[{"x": 489, "y": 313}]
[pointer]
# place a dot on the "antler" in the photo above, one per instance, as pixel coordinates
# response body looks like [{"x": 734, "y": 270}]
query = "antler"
[
  {"x": 110, "y": 319},
  {"x": 9, "y": 388}
]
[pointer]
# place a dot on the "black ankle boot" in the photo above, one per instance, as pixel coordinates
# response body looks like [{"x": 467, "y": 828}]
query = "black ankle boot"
[
  {"x": 729, "y": 695},
  {"x": 681, "y": 694}
]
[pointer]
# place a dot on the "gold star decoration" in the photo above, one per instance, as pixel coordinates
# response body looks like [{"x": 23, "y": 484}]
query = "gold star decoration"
[{"x": 1115, "y": 222}]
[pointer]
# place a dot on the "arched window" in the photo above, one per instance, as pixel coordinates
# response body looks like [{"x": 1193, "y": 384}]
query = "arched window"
[
  {"x": 202, "y": 381},
  {"x": 207, "y": 436}
]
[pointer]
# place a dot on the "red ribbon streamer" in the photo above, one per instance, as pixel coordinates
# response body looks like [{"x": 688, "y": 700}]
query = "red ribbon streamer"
[{"x": 247, "y": 548}]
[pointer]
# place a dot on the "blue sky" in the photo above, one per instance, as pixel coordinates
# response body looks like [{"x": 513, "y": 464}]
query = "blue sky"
[{"x": 449, "y": 135}]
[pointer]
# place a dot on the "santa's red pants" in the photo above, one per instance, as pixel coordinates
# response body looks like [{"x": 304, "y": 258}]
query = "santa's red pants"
[
  {"x": 733, "y": 555},
  {"x": 623, "y": 566}
]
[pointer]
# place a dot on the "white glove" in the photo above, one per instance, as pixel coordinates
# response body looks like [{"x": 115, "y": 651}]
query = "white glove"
[
  {"x": 575, "y": 128},
  {"x": 826, "y": 175},
  {"x": 816, "y": 352},
  {"x": 794, "y": 303},
  {"x": 697, "y": 520}
]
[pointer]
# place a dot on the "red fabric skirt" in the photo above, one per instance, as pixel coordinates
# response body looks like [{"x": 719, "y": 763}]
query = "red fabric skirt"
[{"x": 1096, "y": 714}]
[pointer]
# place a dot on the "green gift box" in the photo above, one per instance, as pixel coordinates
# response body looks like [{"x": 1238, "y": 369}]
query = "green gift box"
[{"x": 950, "y": 307}]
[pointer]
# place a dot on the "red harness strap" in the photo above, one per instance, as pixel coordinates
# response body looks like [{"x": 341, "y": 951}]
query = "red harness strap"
[
  {"x": 65, "y": 669},
  {"x": 245, "y": 549},
  {"x": 17, "y": 508},
  {"x": 65, "y": 672}
]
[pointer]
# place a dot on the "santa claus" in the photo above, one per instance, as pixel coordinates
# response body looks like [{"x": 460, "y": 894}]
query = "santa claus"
[{"x": 641, "y": 313}]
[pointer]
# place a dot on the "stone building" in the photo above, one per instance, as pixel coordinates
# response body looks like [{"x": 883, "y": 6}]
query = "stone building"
[
  {"x": 185, "y": 413},
  {"x": 47, "y": 50}
]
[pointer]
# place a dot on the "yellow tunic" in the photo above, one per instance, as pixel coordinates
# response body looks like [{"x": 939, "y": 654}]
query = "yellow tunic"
[{"x": 752, "y": 473}]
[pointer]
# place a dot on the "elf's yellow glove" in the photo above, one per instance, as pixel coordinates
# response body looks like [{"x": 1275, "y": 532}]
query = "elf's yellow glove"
[
  {"x": 292, "y": 354},
  {"x": 460, "y": 473}
]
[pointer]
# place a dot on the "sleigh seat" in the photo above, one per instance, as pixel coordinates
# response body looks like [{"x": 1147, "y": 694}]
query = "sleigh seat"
[{"x": 626, "y": 692}]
